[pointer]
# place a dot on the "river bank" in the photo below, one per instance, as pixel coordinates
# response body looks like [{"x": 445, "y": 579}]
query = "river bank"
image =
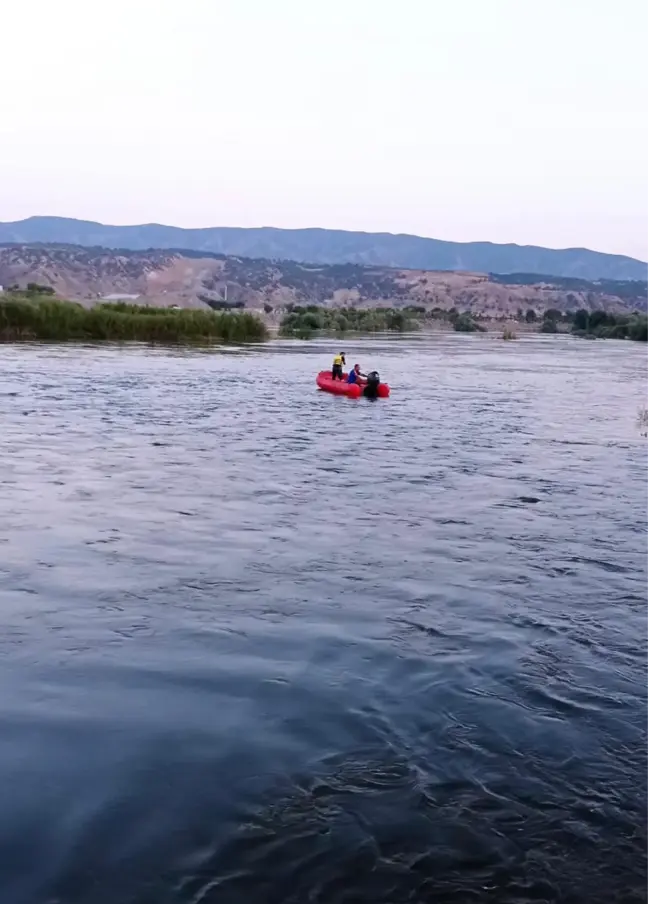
[{"x": 37, "y": 315}]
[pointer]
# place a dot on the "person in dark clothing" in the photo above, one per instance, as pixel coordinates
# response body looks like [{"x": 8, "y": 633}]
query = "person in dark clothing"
[{"x": 370, "y": 390}]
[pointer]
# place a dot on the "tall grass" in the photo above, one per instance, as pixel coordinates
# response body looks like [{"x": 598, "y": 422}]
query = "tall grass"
[{"x": 24, "y": 318}]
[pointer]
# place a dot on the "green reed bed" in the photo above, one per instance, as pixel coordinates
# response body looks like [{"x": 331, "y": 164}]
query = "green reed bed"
[{"x": 25, "y": 319}]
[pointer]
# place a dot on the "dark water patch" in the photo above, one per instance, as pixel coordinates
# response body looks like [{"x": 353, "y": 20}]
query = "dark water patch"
[{"x": 599, "y": 563}]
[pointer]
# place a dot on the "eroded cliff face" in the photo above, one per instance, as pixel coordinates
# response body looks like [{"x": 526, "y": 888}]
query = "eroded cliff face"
[{"x": 190, "y": 279}]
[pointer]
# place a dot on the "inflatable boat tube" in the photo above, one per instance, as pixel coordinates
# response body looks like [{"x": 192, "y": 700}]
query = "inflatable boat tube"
[{"x": 340, "y": 387}]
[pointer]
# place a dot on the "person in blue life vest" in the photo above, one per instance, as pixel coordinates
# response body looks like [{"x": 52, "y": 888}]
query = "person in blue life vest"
[
  {"x": 355, "y": 376},
  {"x": 337, "y": 373}
]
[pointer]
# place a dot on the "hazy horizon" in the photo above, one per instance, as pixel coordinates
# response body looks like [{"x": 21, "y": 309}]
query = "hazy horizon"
[
  {"x": 326, "y": 228},
  {"x": 501, "y": 122}
]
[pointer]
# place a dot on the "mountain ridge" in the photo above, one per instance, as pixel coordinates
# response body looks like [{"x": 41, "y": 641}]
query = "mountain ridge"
[{"x": 316, "y": 245}]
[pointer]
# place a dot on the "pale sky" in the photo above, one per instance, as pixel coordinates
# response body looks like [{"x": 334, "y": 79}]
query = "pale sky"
[{"x": 504, "y": 120}]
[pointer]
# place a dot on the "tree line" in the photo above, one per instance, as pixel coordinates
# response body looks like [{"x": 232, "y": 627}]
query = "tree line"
[
  {"x": 305, "y": 321},
  {"x": 599, "y": 324}
]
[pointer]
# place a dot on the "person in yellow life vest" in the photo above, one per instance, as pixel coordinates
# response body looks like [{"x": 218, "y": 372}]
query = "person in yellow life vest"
[{"x": 337, "y": 373}]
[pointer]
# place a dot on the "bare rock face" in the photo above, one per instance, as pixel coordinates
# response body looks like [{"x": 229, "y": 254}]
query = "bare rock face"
[{"x": 200, "y": 279}]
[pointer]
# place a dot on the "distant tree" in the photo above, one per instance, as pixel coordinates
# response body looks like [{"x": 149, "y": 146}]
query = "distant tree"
[
  {"x": 396, "y": 321},
  {"x": 620, "y": 330},
  {"x": 465, "y": 323},
  {"x": 311, "y": 321},
  {"x": 268, "y": 309},
  {"x": 553, "y": 314},
  {"x": 598, "y": 319},
  {"x": 639, "y": 329},
  {"x": 581, "y": 320},
  {"x": 548, "y": 326},
  {"x": 37, "y": 289},
  {"x": 530, "y": 316}
]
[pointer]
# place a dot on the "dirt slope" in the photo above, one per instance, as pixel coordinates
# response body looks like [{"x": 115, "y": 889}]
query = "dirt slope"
[{"x": 192, "y": 279}]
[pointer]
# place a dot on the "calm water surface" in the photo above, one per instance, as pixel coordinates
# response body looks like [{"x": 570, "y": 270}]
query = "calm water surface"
[{"x": 261, "y": 644}]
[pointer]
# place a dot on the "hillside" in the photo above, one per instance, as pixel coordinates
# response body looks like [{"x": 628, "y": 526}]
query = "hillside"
[
  {"x": 194, "y": 279},
  {"x": 328, "y": 246}
]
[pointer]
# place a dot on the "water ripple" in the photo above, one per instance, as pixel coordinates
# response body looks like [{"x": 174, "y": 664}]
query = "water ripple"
[{"x": 263, "y": 643}]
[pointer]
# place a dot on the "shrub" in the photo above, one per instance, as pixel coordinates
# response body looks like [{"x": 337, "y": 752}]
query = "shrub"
[
  {"x": 37, "y": 289},
  {"x": 303, "y": 322},
  {"x": 465, "y": 323},
  {"x": 553, "y": 314},
  {"x": 604, "y": 325}
]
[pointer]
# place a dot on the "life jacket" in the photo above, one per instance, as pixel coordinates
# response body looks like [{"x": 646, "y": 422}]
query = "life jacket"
[{"x": 337, "y": 361}]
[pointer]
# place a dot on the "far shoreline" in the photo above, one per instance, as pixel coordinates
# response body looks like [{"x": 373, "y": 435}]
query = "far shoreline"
[{"x": 36, "y": 314}]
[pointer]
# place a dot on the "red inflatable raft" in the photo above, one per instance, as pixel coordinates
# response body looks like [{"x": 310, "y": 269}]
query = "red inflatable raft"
[{"x": 340, "y": 387}]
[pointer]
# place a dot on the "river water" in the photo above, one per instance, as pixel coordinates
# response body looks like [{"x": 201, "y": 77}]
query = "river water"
[{"x": 262, "y": 644}]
